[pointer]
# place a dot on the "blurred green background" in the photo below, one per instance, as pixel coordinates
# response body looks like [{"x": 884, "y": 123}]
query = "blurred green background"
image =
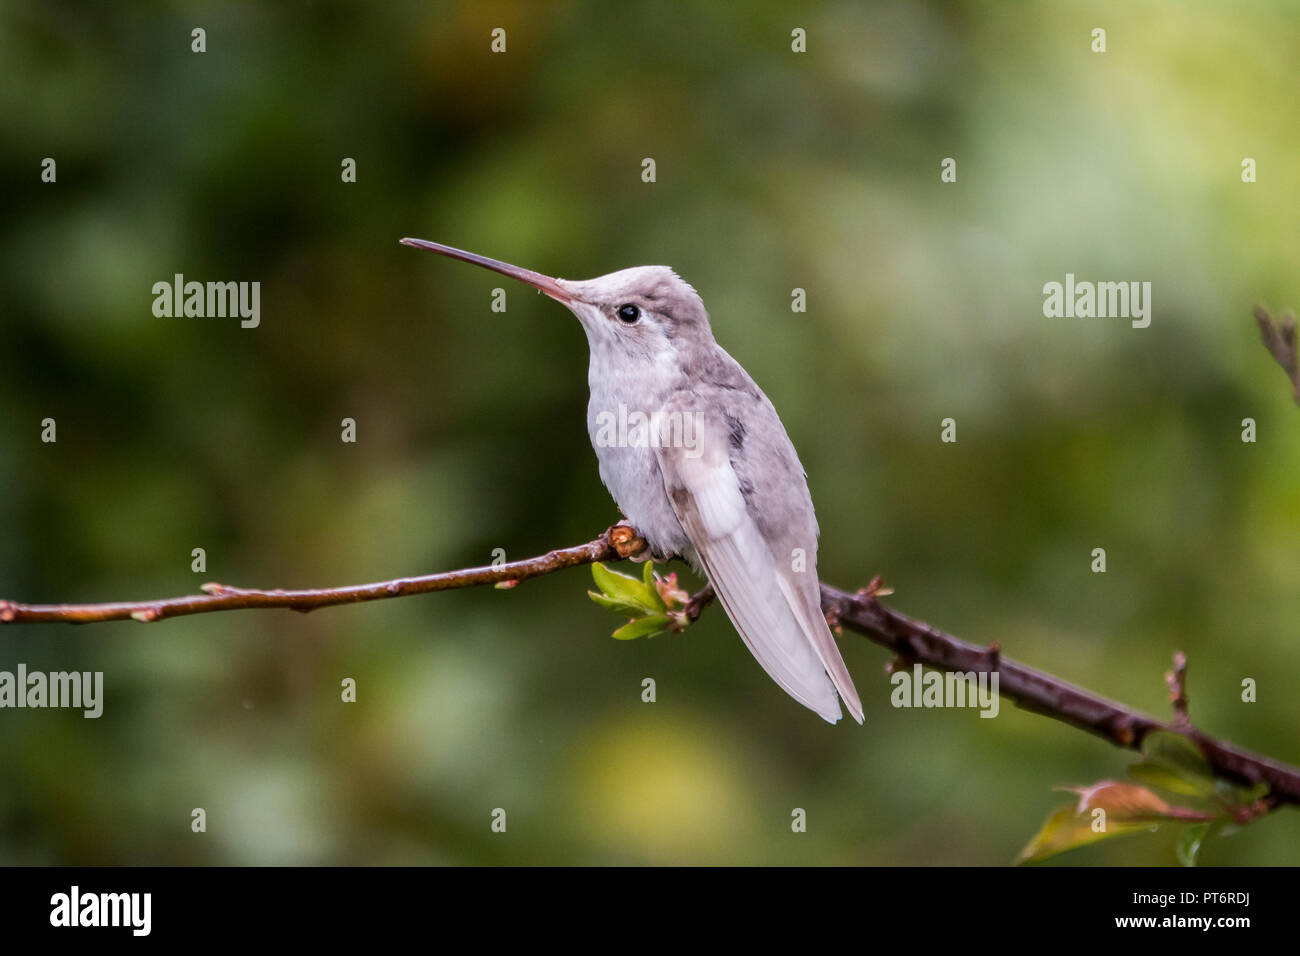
[{"x": 775, "y": 170}]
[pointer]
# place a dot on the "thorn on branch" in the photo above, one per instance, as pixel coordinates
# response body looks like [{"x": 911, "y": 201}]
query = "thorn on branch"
[
  {"x": 901, "y": 662},
  {"x": 1125, "y": 730},
  {"x": 876, "y": 588},
  {"x": 1280, "y": 340}
]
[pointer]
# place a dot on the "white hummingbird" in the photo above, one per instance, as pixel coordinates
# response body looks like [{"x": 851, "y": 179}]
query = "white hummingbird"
[{"x": 713, "y": 477}]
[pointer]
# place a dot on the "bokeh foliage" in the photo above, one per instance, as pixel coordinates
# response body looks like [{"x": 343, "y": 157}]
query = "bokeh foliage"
[{"x": 775, "y": 171}]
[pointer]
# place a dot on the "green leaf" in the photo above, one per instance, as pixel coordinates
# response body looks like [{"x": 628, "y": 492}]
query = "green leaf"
[
  {"x": 637, "y": 598},
  {"x": 626, "y": 589},
  {"x": 1164, "y": 778},
  {"x": 617, "y": 606},
  {"x": 1234, "y": 795},
  {"x": 1192, "y": 839},
  {"x": 1176, "y": 764},
  {"x": 1180, "y": 757},
  {"x": 1128, "y": 808},
  {"x": 652, "y": 586},
  {"x": 651, "y": 626},
  {"x": 1067, "y": 830}
]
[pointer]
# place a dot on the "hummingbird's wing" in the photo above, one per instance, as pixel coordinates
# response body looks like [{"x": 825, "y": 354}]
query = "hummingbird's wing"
[{"x": 769, "y": 608}]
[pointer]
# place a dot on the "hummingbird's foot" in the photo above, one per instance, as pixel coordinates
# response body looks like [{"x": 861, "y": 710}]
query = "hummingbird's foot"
[
  {"x": 649, "y": 554},
  {"x": 627, "y": 541},
  {"x": 658, "y": 556}
]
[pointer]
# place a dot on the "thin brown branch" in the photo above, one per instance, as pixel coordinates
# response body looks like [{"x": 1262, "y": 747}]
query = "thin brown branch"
[
  {"x": 1280, "y": 340},
  {"x": 911, "y": 640},
  {"x": 1044, "y": 694},
  {"x": 618, "y": 541}
]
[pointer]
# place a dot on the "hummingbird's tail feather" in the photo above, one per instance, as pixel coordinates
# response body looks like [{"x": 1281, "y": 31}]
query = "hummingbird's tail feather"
[
  {"x": 753, "y": 601},
  {"x": 706, "y": 497},
  {"x": 807, "y": 609}
]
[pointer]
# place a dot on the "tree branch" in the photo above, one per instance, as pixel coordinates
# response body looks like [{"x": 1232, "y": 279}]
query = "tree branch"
[
  {"x": 1044, "y": 694},
  {"x": 1280, "y": 341},
  {"x": 911, "y": 640},
  {"x": 618, "y": 541}
]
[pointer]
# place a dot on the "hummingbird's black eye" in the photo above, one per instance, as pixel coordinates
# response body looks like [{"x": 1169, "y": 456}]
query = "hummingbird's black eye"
[{"x": 629, "y": 313}]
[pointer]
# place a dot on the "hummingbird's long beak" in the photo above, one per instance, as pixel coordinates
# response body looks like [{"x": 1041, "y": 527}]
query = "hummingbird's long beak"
[{"x": 542, "y": 283}]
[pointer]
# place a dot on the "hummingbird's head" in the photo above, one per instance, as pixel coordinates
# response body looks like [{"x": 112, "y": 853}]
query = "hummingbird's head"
[{"x": 639, "y": 314}]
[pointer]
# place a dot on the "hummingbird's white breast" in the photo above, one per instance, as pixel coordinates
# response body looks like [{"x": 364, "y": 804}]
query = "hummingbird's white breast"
[{"x": 629, "y": 466}]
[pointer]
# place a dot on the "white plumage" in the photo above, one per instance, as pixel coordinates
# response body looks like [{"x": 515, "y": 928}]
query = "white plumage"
[{"x": 729, "y": 495}]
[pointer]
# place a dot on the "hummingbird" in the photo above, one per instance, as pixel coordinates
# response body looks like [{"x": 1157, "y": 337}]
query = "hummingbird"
[{"x": 699, "y": 463}]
